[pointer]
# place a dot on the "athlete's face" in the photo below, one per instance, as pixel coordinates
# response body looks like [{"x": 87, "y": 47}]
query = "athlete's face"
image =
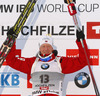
[{"x": 46, "y": 49}]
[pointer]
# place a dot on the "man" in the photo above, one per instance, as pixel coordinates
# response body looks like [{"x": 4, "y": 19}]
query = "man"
[{"x": 47, "y": 69}]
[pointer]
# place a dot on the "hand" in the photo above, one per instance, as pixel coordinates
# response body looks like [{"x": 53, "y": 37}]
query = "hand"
[
  {"x": 80, "y": 35},
  {"x": 11, "y": 33}
]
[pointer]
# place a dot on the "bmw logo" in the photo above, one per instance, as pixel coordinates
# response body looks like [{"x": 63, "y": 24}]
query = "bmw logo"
[
  {"x": 82, "y": 80},
  {"x": 45, "y": 66}
]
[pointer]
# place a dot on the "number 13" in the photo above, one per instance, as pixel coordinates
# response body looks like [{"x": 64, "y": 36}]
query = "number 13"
[{"x": 44, "y": 78}]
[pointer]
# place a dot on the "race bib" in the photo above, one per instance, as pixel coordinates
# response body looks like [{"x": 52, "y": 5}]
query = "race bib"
[{"x": 47, "y": 82}]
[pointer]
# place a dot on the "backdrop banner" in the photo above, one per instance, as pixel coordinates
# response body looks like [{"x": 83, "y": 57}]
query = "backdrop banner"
[{"x": 51, "y": 17}]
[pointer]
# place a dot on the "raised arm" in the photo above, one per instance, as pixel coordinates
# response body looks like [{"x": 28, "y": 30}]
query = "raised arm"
[
  {"x": 23, "y": 65},
  {"x": 70, "y": 65}
]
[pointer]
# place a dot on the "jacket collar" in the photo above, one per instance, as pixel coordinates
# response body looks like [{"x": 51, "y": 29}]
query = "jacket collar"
[{"x": 47, "y": 57}]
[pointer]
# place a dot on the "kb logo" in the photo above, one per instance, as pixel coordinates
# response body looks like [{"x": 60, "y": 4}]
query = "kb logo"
[{"x": 9, "y": 79}]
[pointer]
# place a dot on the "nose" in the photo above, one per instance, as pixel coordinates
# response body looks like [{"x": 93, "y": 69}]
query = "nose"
[{"x": 46, "y": 48}]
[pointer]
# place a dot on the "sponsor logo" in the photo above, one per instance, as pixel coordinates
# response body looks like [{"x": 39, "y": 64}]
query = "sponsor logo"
[
  {"x": 94, "y": 55},
  {"x": 44, "y": 92},
  {"x": 82, "y": 80},
  {"x": 93, "y": 30},
  {"x": 45, "y": 66},
  {"x": 9, "y": 79},
  {"x": 44, "y": 88}
]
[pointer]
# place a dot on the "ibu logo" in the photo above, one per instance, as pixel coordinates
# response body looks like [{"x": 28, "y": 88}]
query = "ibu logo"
[{"x": 9, "y": 79}]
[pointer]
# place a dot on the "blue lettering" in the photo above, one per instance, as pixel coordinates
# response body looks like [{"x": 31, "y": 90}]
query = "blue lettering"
[
  {"x": 15, "y": 80},
  {"x": 4, "y": 79}
]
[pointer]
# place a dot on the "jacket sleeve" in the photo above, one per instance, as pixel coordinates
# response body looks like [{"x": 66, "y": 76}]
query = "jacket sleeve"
[
  {"x": 70, "y": 65},
  {"x": 23, "y": 65}
]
